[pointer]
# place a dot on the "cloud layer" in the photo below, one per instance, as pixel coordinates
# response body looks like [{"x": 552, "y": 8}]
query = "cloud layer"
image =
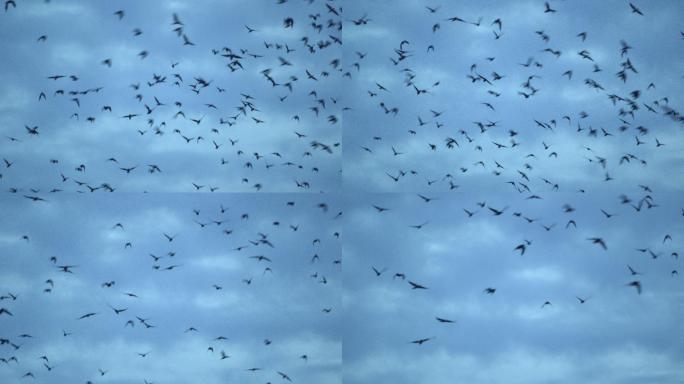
[{"x": 403, "y": 192}]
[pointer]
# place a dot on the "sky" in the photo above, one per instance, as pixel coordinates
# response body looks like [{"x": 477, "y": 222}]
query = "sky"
[
  {"x": 656, "y": 53},
  {"x": 95, "y": 34},
  {"x": 482, "y": 192},
  {"x": 283, "y": 304}
]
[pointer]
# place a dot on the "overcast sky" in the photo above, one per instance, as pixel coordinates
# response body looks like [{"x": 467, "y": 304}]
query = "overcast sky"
[
  {"x": 656, "y": 55},
  {"x": 95, "y": 34},
  {"x": 284, "y": 304},
  {"x": 520, "y": 160},
  {"x": 616, "y": 335}
]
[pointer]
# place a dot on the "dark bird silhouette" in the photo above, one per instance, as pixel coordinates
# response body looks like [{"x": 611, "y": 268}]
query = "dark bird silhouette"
[
  {"x": 548, "y": 9},
  {"x": 416, "y": 286},
  {"x": 380, "y": 209},
  {"x": 636, "y": 284},
  {"x": 421, "y": 341},
  {"x": 599, "y": 241},
  {"x": 87, "y": 315}
]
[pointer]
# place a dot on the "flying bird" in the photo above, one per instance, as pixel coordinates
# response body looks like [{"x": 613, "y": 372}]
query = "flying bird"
[
  {"x": 416, "y": 286},
  {"x": 599, "y": 241},
  {"x": 421, "y": 341}
]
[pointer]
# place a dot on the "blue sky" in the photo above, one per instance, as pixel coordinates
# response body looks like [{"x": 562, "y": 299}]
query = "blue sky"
[
  {"x": 484, "y": 150},
  {"x": 95, "y": 34},
  {"x": 655, "y": 54},
  {"x": 283, "y": 304}
]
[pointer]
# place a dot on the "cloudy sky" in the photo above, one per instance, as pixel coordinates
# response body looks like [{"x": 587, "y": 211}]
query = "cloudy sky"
[
  {"x": 95, "y": 34},
  {"x": 283, "y": 304},
  {"x": 656, "y": 53},
  {"x": 557, "y": 182},
  {"x": 520, "y": 160}
]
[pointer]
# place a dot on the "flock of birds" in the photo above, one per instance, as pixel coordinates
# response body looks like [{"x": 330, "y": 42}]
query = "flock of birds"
[
  {"x": 659, "y": 254},
  {"x": 477, "y": 147},
  {"x": 264, "y": 115},
  {"x": 273, "y": 249},
  {"x": 229, "y": 113},
  {"x": 399, "y": 153}
]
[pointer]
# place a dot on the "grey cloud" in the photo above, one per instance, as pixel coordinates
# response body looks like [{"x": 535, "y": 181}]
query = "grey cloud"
[{"x": 560, "y": 162}]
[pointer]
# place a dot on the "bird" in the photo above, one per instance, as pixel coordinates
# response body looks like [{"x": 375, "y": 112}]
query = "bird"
[
  {"x": 118, "y": 310},
  {"x": 416, "y": 286},
  {"x": 521, "y": 247},
  {"x": 380, "y": 209},
  {"x": 635, "y": 9},
  {"x": 548, "y": 9},
  {"x": 66, "y": 268},
  {"x": 599, "y": 241},
  {"x": 87, "y": 315},
  {"x": 421, "y": 341},
  {"x": 636, "y": 284},
  {"x": 426, "y": 199},
  {"x": 419, "y": 226},
  {"x": 632, "y": 271}
]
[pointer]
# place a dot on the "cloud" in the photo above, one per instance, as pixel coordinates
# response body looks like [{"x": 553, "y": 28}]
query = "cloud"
[{"x": 283, "y": 305}]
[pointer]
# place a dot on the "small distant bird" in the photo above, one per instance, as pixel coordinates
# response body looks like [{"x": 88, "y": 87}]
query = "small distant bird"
[
  {"x": 416, "y": 286},
  {"x": 599, "y": 241},
  {"x": 87, "y": 315},
  {"x": 380, "y": 209},
  {"x": 490, "y": 290},
  {"x": 636, "y": 284},
  {"x": 9, "y": 3},
  {"x": 548, "y": 9},
  {"x": 421, "y": 341},
  {"x": 635, "y": 9},
  {"x": 521, "y": 248}
]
